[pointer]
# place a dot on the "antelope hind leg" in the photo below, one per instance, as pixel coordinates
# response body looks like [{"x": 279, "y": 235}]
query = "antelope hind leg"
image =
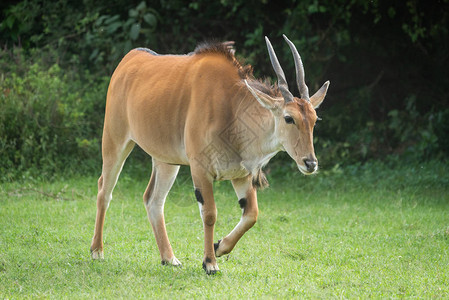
[
  {"x": 161, "y": 181},
  {"x": 113, "y": 161}
]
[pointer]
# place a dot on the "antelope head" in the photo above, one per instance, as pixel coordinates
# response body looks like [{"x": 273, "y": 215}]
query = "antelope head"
[{"x": 294, "y": 117}]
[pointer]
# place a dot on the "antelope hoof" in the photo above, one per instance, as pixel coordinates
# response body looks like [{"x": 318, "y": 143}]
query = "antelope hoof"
[
  {"x": 97, "y": 254},
  {"x": 171, "y": 262},
  {"x": 220, "y": 249},
  {"x": 210, "y": 268}
]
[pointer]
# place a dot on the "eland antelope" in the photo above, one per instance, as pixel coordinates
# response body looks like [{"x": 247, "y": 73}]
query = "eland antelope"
[{"x": 206, "y": 110}]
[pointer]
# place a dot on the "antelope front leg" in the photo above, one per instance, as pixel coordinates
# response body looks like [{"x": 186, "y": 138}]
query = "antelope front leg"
[
  {"x": 204, "y": 196},
  {"x": 247, "y": 196}
]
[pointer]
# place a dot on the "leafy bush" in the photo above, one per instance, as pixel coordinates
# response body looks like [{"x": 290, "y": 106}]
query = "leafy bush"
[
  {"x": 50, "y": 120},
  {"x": 347, "y": 136}
]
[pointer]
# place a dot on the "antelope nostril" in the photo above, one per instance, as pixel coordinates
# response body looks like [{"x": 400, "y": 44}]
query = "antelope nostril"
[{"x": 310, "y": 164}]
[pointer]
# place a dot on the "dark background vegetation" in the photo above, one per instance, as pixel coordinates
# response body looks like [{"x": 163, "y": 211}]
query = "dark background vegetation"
[{"x": 387, "y": 62}]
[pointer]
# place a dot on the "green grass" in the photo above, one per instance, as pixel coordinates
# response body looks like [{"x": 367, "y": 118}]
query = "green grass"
[{"x": 359, "y": 232}]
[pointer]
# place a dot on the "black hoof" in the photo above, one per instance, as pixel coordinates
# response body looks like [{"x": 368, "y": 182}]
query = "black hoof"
[
  {"x": 216, "y": 245},
  {"x": 209, "y": 272},
  {"x": 212, "y": 272}
]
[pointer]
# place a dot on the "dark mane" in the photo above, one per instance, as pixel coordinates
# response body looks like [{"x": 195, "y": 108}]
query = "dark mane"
[
  {"x": 265, "y": 87},
  {"x": 214, "y": 47},
  {"x": 225, "y": 49},
  {"x": 245, "y": 71}
]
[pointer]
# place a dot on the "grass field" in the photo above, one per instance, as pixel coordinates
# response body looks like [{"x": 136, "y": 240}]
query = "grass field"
[{"x": 354, "y": 233}]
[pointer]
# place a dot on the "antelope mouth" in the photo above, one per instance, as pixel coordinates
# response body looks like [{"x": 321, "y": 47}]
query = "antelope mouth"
[{"x": 307, "y": 171}]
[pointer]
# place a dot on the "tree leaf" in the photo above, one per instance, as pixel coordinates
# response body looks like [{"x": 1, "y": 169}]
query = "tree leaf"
[
  {"x": 94, "y": 54},
  {"x": 150, "y": 19},
  {"x": 111, "y": 28},
  {"x": 133, "y": 13},
  {"x": 134, "y": 32},
  {"x": 141, "y": 6}
]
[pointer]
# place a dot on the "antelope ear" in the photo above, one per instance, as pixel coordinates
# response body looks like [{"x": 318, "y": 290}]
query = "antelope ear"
[
  {"x": 318, "y": 97},
  {"x": 264, "y": 100}
]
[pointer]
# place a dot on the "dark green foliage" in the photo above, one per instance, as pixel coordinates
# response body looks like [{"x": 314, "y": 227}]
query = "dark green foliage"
[
  {"x": 387, "y": 63},
  {"x": 50, "y": 122}
]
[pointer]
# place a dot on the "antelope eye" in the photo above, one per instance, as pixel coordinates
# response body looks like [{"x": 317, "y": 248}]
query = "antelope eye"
[{"x": 289, "y": 120}]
